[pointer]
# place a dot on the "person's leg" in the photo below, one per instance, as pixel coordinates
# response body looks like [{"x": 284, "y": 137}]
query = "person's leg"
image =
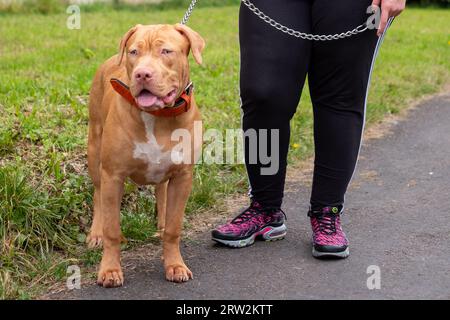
[
  {"x": 338, "y": 79},
  {"x": 273, "y": 71}
]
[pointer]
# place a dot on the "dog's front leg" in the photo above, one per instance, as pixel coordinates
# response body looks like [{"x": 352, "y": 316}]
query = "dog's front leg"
[
  {"x": 178, "y": 191},
  {"x": 110, "y": 273}
]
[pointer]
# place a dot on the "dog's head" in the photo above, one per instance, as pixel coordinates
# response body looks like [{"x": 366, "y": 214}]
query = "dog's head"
[{"x": 156, "y": 59}]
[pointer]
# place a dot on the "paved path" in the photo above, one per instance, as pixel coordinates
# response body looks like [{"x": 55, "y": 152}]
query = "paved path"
[{"x": 398, "y": 218}]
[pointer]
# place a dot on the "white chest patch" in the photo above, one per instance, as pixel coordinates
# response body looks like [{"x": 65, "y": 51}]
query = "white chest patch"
[{"x": 158, "y": 161}]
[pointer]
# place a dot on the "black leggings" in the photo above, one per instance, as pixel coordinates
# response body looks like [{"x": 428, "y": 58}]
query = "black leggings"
[{"x": 274, "y": 66}]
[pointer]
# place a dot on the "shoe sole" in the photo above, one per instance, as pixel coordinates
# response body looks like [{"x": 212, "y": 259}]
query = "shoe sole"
[
  {"x": 267, "y": 234},
  {"x": 341, "y": 255}
]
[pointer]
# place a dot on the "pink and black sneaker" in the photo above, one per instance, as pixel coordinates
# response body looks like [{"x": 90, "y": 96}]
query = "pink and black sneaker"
[
  {"x": 254, "y": 222},
  {"x": 329, "y": 239}
]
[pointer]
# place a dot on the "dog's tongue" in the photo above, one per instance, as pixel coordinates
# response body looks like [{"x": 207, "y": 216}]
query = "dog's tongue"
[{"x": 146, "y": 99}]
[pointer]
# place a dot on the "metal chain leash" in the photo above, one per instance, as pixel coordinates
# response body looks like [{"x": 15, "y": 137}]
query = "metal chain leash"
[{"x": 298, "y": 34}]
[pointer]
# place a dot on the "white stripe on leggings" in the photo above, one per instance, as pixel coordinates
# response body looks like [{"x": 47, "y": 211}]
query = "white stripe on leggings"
[{"x": 375, "y": 53}]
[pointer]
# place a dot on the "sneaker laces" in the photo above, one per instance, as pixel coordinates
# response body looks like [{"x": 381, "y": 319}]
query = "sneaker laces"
[
  {"x": 252, "y": 210},
  {"x": 327, "y": 223}
]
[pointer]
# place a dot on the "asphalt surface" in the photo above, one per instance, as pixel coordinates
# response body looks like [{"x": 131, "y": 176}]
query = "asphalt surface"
[{"x": 397, "y": 218}]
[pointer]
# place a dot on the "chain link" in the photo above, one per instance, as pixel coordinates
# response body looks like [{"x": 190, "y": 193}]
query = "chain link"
[{"x": 298, "y": 34}]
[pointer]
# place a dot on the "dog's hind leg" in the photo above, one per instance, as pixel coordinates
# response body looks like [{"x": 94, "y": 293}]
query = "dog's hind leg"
[
  {"x": 161, "y": 204},
  {"x": 96, "y": 234},
  {"x": 94, "y": 150}
]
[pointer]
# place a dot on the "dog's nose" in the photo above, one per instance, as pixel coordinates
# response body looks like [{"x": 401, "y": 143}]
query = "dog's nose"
[{"x": 142, "y": 75}]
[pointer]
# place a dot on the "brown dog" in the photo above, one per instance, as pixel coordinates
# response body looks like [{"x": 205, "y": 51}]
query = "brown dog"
[{"x": 130, "y": 137}]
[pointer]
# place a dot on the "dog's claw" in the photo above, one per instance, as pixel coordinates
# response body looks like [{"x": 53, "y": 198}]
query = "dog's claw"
[
  {"x": 178, "y": 273},
  {"x": 110, "y": 278},
  {"x": 94, "y": 241}
]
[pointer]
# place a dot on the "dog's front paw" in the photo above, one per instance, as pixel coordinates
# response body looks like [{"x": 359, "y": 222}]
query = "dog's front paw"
[
  {"x": 178, "y": 273},
  {"x": 110, "y": 277}
]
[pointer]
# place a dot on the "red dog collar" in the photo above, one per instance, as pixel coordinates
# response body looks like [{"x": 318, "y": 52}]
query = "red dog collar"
[{"x": 182, "y": 104}]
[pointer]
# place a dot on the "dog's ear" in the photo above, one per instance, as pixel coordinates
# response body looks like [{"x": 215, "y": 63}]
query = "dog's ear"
[
  {"x": 123, "y": 43},
  {"x": 196, "y": 42}
]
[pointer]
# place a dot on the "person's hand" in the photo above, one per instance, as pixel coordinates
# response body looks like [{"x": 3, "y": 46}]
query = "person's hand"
[{"x": 389, "y": 8}]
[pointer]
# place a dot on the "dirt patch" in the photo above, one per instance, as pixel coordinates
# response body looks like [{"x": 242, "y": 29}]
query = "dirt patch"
[{"x": 208, "y": 220}]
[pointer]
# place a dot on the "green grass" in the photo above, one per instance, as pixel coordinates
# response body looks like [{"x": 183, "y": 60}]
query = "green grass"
[{"x": 46, "y": 71}]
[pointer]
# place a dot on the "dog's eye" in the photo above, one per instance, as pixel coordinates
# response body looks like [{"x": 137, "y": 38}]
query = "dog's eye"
[
  {"x": 166, "y": 51},
  {"x": 133, "y": 52}
]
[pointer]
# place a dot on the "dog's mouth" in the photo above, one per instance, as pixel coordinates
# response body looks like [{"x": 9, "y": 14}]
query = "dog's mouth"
[{"x": 147, "y": 100}]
